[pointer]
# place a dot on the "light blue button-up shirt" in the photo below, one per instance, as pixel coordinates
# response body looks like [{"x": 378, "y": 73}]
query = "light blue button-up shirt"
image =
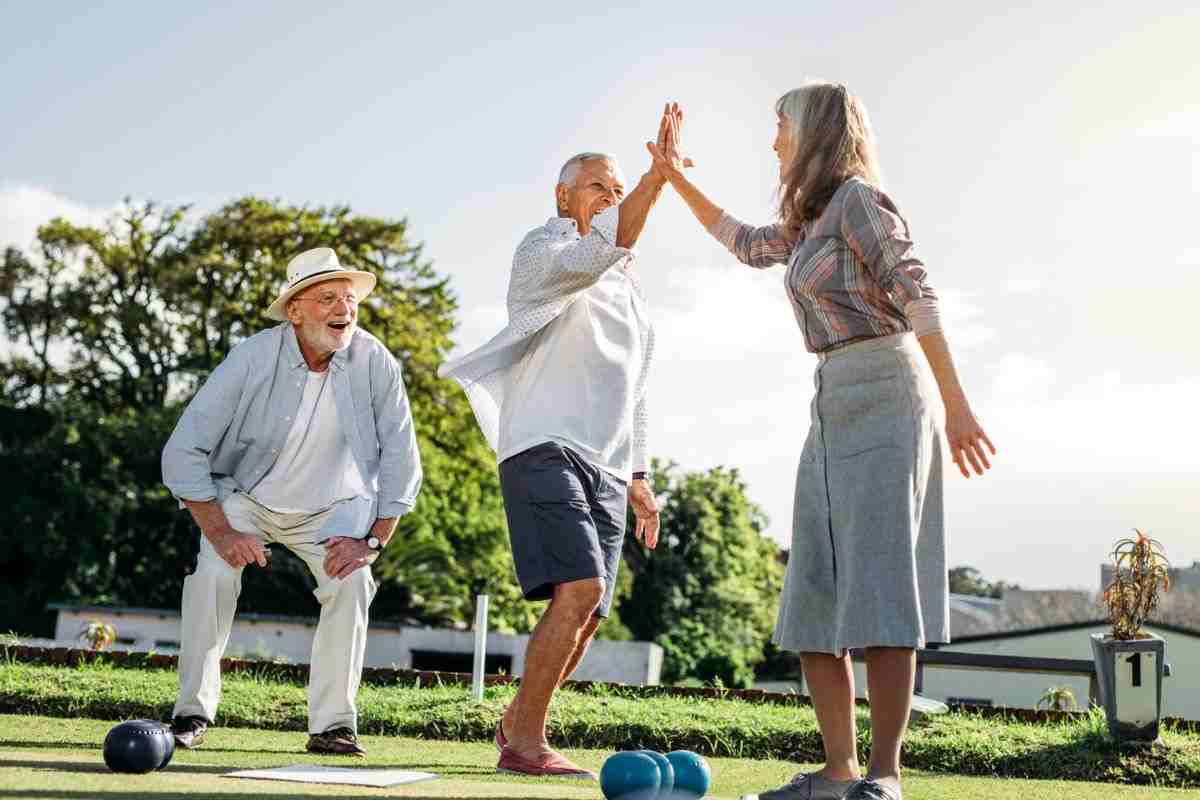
[{"x": 233, "y": 429}]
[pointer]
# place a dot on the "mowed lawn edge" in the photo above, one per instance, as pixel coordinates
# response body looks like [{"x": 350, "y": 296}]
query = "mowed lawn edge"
[{"x": 956, "y": 743}]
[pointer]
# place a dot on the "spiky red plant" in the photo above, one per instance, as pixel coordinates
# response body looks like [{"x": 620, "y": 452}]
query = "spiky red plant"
[{"x": 1142, "y": 571}]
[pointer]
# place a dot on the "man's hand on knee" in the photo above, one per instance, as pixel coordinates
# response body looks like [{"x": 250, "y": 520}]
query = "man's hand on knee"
[
  {"x": 344, "y": 555},
  {"x": 239, "y": 549}
]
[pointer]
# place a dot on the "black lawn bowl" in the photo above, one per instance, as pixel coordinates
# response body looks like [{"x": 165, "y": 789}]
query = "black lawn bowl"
[{"x": 138, "y": 746}]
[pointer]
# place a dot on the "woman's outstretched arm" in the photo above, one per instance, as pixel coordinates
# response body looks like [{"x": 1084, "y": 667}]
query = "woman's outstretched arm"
[
  {"x": 670, "y": 164},
  {"x": 757, "y": 247}
]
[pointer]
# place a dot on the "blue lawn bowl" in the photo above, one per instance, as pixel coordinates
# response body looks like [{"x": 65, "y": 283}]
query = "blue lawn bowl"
[
  {"x": 630, "y": 776},
  {"x": 138, "y": 746},
  {"x": 692, "y": 776},
  {"x": 666, "y": 774}
]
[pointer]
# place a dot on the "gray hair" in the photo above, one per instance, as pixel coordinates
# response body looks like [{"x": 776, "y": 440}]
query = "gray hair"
[{"x": 574, "y": 163}]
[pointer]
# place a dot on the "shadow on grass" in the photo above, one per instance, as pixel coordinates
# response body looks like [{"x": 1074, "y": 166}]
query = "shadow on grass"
[
  {"x": 59, "y": 794},
  {"x": 356, "y": 763},
  {"x": 18, "y": 745},
  {"x": 101, "y": 767}
]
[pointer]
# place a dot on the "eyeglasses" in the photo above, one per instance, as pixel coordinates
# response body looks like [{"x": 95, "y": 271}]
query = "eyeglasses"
[{"x": 329, "y": 299}]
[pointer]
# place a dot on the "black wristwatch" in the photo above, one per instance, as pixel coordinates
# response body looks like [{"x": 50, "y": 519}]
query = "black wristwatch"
[{"x": 374, "y": 543}]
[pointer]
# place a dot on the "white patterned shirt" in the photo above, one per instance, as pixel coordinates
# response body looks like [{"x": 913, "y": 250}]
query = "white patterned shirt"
[{"x": 585, "y": 386}]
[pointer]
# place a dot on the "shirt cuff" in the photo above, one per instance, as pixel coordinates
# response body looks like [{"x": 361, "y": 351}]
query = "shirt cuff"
[
  {"x": 725, "y": 229},
  {"x": 394, "y": 508},
  {"x": 924, "y": 315}
]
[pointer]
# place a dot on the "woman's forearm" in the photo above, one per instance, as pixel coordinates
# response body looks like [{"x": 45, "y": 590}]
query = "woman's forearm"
[
  {"x": 705, "y": 210},
  {"x": 968, "y": 443},
  {"x": 937, "y": 353}
]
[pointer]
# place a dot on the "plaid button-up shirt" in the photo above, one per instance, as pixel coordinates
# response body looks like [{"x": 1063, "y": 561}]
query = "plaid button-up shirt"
[{"x": 854, "y": 273}]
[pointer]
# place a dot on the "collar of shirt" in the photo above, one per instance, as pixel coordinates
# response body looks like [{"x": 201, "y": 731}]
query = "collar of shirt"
[
  {"x": 291, "y": 351},
  {"x": 566, "y": 226},
  {"x": 563, "y": 225}
]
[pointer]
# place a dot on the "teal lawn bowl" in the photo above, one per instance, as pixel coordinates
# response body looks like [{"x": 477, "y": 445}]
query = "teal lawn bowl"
[
  {"x": 630, "y": 776},
  {"x": 666, "y": 773},
  {"x": 692, "y": 775}
]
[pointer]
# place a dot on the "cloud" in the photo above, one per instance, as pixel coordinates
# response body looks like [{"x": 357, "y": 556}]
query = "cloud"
[
  {"x": 963, "y": 320},
  {"x": 24, "y": 208},
  {"x": 1100, "y": 423},
  {"x": 476, "y": 325}
]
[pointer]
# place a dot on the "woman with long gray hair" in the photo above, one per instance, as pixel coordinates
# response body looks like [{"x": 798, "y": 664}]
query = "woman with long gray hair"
[{"x": 867, "y": 567}]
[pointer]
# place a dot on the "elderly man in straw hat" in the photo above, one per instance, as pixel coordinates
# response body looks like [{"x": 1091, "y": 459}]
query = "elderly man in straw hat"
[{"x": 303, "y": 437}]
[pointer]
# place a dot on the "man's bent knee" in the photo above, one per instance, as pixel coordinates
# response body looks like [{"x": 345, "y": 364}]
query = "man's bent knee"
[
  {"x": 209, "y": 568},
  {"x": 358, "y": 584},
  {"x": 580, "y": 598}
]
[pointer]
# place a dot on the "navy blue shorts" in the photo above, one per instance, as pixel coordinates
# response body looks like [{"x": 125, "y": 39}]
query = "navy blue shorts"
[{"x": 566, "y": 520}]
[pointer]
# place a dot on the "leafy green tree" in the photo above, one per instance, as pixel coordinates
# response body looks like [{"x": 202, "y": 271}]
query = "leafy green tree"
[
  {"x": 968, "y": 580},
  {"x": 110, "y": 330},
  {"x": 710, "y": 591}
]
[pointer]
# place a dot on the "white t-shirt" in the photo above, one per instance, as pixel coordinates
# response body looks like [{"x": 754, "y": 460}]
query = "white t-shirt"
[
  {"x": 315, "y": 469},
  {"x": 576, "y": 383}
]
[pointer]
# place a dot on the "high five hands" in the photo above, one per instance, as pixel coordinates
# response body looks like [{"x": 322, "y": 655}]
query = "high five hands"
[{"x": 666, "y": 150}]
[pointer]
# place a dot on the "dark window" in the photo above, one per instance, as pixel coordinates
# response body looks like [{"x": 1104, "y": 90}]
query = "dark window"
[
  {"x": 166, "y": 643},
  {"x": 440, "y": 661}
]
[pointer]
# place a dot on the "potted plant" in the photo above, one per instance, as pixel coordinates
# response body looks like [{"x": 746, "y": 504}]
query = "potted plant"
[
  {"x": 99, "y": 635},
  {"x": 1130, "y": 661},
  {"x": 1057, "y": 698}
]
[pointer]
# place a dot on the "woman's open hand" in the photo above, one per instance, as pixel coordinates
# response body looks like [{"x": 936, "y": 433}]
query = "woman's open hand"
[
  {"x": 668, "y": 160},
  {"x": 967, "y": 440}
]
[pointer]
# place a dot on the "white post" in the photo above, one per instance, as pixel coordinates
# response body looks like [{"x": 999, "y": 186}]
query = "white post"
[{"x": 481, "y": 627}]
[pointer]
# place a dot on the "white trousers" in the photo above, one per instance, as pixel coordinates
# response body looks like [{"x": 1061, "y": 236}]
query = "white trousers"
[{"x": 210, "y": 600}]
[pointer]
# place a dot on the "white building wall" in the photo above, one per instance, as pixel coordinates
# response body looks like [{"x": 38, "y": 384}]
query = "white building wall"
[
  {"x": 1181, "y": 691},
  {"x": 635, "y": 663}
]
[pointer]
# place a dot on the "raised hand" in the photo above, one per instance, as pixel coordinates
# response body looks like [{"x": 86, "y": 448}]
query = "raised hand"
[{"x": 666, "y": 150}]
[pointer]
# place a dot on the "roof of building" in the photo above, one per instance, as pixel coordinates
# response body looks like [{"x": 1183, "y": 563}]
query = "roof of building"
[{"x": 1069, "y": 626}]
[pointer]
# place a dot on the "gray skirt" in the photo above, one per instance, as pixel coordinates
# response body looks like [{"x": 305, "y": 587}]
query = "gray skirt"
[{"x": 868, "y": 561}]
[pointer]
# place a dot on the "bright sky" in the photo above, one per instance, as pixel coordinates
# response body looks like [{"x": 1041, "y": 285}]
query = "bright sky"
[{"x": 1047, "y": 158}]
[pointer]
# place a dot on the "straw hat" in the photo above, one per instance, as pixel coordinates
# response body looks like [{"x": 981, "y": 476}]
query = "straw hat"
[{"x": 314, "y": 266}]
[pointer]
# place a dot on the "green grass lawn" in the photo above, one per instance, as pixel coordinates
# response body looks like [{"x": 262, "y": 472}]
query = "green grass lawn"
[
  {"x": 763, "y": 742},
  {"x": 45, "y": 757}
]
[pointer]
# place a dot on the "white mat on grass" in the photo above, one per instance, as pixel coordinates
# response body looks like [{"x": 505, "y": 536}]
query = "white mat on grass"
[{"x": 308, "y": 773}]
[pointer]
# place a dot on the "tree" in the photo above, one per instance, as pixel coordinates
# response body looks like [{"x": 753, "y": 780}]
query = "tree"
[
  {"x": 968, "y": 580},
  {"x": 110, "y": 332},
  {"x": 710, "y": 591}
]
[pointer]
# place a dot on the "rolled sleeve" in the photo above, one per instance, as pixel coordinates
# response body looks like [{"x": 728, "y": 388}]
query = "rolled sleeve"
[
  {"x": 923, "y": 315},
  {"x": 641, "y": 438},
  {"x": 186, "y": 464},
  {"x": 400, "y": 472},
  {"x": 756, "y": 247},
  {"x": 551, "y": 264},
  {"x": 641, "y": 412},
  {"x": 879, "y": 236}
]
